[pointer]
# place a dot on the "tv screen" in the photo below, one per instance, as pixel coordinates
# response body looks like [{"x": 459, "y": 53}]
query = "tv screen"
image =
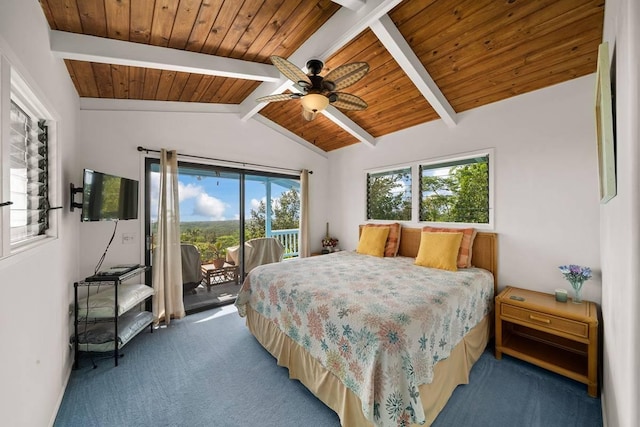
[{"x": 107, "y": 197}]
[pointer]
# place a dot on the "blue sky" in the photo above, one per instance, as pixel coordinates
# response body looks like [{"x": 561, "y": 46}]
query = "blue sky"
[{"x": 211, "y": 198}]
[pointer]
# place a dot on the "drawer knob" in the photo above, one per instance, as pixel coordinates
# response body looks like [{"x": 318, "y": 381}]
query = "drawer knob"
[{"x": 539, "y": 319}]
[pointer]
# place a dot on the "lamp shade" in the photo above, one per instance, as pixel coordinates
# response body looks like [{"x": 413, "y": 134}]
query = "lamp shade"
[
  {"x": 308, "y": 115},
  {"x": 314, "y": 102}
]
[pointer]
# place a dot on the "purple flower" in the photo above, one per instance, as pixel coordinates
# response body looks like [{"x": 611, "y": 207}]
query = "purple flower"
[{"x": 575, "y": 274}]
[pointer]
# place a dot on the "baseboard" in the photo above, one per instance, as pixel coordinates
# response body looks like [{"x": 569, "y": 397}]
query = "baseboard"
[
  {"x": 61, "y": 394},
  {"x": 603, "y": 407}
]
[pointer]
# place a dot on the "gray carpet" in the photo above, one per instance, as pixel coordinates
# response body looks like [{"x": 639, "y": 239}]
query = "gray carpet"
[
  {"x": 207, "y": 370},
  {"x": 205, "y": 297}
]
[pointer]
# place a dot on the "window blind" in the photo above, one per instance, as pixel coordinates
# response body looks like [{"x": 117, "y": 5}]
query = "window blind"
[
  {"x": 389, "y": 195},
  {"x": 28, "y": 176}
]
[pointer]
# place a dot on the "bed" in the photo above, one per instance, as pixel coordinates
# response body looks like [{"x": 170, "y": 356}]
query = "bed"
[{"x": 366, "y": 336}]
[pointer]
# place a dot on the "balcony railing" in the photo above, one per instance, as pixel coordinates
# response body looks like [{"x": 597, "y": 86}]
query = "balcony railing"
[{"x": 289, "y": 239}]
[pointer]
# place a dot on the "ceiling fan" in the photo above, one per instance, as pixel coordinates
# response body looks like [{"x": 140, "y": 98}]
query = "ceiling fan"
[{"x": 317, "y": 91}]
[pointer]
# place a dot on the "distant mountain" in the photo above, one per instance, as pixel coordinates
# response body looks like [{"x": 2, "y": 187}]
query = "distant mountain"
[{"x": 220, "y": 228}]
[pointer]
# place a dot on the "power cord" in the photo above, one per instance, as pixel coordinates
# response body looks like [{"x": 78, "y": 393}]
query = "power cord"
[
  {"x": 106, "y": 249},
  {"x": 95, "y": 271}
]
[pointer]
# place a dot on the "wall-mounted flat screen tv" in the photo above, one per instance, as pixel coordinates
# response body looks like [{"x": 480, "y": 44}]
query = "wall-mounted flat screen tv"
[{"x": 108, "y": 197}]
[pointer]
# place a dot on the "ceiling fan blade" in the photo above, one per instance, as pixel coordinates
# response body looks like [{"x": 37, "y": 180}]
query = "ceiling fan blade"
[
  {"x": 290, "y": 71},
  {"x": 346, "y": 101},
  {"x": 279, "y": 97},
  {"x": 347, "y": 74}
]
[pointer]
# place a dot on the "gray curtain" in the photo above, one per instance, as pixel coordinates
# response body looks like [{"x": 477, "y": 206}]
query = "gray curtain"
[{"x": 167, "y": 258}]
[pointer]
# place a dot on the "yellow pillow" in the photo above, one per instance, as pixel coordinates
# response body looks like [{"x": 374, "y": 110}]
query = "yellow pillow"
[
  {"x": 373, "y": 240},
  {"x": 439, "y": 250}
]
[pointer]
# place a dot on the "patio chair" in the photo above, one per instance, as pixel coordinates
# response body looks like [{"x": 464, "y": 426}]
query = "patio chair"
[
  {"x": 191, "y": 270},
  {"x": 259, "y": 251}
]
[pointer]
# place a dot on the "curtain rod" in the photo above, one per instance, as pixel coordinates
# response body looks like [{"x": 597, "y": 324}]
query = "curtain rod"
[{"x": 140, "y": 148}]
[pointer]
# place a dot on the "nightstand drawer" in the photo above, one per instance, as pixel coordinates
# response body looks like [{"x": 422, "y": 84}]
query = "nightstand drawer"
[{"x": 546, "y": 321}]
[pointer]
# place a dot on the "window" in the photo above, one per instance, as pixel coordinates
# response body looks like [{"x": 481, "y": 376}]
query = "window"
[
  {"x": 389, "y": 195},
  {"x": 212, "y": 209},
  {"x": 24, "y": 164},
  {"x": 28, "y": 176},
  {"x": 455, "y": 191}
]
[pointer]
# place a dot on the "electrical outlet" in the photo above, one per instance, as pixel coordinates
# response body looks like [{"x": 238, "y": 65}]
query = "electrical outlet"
[{"x": 128, "y": 238}]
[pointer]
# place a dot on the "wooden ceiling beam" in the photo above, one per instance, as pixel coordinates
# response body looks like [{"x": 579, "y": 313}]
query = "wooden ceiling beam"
[
  {"x": 292, "y": 136},
  {"x": 344, "y": 26},
  {"x": 101, "y": 50},
  {"x": 342, "y": 120},
  {"x": 395, "y": 43},
  {"x": 249, "y": 107},
  {"x": 104, "y": 104}
]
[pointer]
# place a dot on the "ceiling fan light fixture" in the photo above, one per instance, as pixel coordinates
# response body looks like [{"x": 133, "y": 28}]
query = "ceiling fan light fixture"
[
  {"x": 314, "y": 102},
  {"x": 318, "y": 91},
  {"x": 308, "y": 115}
]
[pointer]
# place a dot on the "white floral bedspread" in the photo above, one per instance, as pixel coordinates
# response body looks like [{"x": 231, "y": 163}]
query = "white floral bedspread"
[{"x": 378, "y": 324}]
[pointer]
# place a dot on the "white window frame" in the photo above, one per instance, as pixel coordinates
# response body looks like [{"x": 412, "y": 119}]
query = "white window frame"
[
  {"x": 490, "y": 154},
  {"x": 415, "y": 188},
  {"x": 14, "y": 86},
  {"x": 411, "y": 168}
]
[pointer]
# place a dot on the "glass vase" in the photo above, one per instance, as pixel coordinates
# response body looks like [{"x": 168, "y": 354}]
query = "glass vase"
[{"x": 577, "y": 293}]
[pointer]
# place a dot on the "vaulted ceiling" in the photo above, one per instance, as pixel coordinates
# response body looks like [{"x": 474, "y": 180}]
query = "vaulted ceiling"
[{"x": 429, "y": 59}]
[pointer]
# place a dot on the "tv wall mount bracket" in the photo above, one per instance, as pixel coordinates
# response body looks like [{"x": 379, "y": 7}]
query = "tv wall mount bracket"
[{"x": 73, "y": 203}]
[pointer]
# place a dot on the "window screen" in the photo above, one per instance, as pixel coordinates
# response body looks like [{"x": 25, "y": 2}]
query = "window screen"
[
  {"x": 455, "y": 191},
  {"x": 28, "y": 176},
  {"x": 389, "y": 195}
]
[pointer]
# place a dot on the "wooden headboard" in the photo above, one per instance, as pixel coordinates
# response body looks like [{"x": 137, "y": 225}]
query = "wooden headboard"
[{"x": 483, "y": 255}]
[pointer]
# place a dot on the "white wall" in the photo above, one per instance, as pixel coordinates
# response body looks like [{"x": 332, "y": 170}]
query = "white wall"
[
  {"x": 619, "y": 229},
  {"x": 546, "y": 180},
  {"x": 110, "y": 139},
  {"x": 36, "y": 286},
  {"x": 547, "y": 210}
]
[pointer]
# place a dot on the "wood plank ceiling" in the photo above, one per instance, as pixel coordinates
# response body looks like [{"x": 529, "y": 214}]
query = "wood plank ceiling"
[{"x": 475, "y": 51}]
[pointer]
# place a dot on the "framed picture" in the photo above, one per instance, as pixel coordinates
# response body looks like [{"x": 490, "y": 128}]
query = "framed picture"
[{"x": 604, "y": 126}]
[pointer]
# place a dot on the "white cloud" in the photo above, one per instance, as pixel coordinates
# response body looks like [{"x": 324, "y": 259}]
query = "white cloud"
[
  {"x": 209, "y": 207},
  {"x": 189, "y": 191},
  {"x": 204, "y": 205},
  {"x": 255, "y": 203}
]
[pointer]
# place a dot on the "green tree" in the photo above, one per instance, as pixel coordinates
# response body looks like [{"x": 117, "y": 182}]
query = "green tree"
[
  {"x": 438, "y": 205},
  {"x": 462, "y": 196},
  {"x": 287, "y": 212},
  {"x": 255, "y": 226},
  {"x": 472, "y": 201},
  {"x": 205, "y": 234},
  {"x": 387, "y": 198},
  {"x": 285, "y": 215}
]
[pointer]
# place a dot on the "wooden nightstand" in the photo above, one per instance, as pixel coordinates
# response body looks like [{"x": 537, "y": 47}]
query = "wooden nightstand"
[{"x": 559, "y": 336}]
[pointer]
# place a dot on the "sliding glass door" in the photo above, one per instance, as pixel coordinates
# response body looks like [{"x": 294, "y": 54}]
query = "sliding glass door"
[
  {"x": 220, "y": 209},
  {"x": 273, "y": 210}
]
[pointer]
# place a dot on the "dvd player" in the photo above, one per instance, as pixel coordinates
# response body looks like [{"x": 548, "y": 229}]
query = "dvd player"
[{"x": 118, "y": 270}]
